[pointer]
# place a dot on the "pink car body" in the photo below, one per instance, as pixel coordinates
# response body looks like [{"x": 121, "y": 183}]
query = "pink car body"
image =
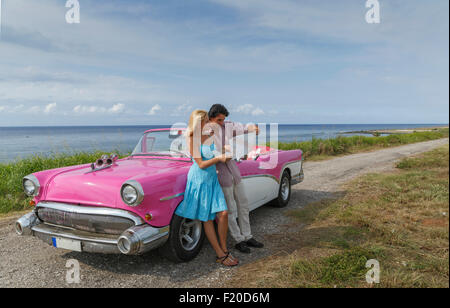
[{"x": 83, "y": 209}]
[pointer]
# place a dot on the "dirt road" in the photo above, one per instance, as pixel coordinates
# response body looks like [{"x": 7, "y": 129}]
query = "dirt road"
[{"x": 28, "y": 262}]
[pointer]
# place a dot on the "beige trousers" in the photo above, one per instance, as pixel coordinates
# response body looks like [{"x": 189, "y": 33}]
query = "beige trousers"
[{"x": 238, "y": 212}]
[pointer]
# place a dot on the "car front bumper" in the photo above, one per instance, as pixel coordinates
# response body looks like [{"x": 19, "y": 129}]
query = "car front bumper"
[{"x": 135, "y": 240}]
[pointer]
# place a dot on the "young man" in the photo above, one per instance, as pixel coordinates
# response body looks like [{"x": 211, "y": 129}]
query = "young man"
[{"x": 231, "y": 181}]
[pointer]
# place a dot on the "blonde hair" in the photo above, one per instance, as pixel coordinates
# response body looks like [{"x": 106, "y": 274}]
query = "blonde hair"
[{"x": 195, "y": 120}]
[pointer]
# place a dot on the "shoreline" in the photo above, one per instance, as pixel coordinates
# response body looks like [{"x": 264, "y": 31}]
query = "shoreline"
[{"x": 378, "y": 132}]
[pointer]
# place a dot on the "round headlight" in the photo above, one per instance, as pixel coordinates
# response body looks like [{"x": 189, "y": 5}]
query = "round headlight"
[
  {"x": 129, "y": 194},
  {"x": 132, "y": 193},
  {"x": 29, "y": 187}
]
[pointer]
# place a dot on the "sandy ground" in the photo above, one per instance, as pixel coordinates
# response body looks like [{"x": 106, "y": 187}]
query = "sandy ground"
[{"x": 28, "y": 262}]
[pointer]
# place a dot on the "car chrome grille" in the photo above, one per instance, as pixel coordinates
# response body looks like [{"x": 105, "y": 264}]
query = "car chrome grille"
[{"x": 85, "y": 222}]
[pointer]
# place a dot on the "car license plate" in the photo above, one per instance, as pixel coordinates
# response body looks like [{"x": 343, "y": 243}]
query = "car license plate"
[{"x": 68, "y": 244}]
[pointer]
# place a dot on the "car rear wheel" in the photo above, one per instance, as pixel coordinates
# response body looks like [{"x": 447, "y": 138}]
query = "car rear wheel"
[
  {"x": 284, "y": 192},
  {"x": 185, "y": 240}
]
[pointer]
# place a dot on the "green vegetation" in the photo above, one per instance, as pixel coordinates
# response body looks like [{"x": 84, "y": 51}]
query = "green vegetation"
[
  {"x": 398, "y": 218},
  {"x": 347, "y": 267},
  {"x": 12, "y": 197},
  {"x": 322, "y": 148}
]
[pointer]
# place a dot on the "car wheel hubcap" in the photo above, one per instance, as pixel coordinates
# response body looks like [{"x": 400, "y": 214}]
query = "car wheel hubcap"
[
  {"x": 190, "y": 233},
  {"x": 285, "y": 189}
]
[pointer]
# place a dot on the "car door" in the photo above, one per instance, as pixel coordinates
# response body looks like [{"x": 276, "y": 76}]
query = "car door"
[{"x": 259, "y": 184}]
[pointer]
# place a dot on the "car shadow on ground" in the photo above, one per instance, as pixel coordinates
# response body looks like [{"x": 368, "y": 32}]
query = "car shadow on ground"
[{"x": 267, "y": 222}]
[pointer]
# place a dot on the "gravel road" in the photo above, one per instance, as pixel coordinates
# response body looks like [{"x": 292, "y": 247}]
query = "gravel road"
[{"x": 28, "y": 262}]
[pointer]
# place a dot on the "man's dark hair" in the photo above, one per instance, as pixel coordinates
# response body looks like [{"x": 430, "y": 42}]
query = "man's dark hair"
[{"x": 217, "y": 109}]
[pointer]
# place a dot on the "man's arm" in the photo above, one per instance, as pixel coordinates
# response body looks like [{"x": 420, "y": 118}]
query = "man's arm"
[
  {"x": 252, "y": 128},
  {"x": 239, "y": 129}
]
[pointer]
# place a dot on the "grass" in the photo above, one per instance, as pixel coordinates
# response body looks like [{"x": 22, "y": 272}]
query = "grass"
[
  {"x": 319, "y": 149},
  {"x": 12, "y": 197},
  {"x": 399, "y": 219}
]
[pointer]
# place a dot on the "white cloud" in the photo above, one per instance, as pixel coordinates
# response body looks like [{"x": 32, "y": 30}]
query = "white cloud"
[
  {"x": 16, "y": 109},
  {"x": 19, "y": 109},
  {"x": 84, "y": 109},
  {"x": 50, "y": 108},
  {"x": 258, "y": 111},
  {"x": 22, "y": 109},
  {"x": 115, "y": 109},
  {"x": 249, "y": 109},
  {"x": 154, "y": 109}
]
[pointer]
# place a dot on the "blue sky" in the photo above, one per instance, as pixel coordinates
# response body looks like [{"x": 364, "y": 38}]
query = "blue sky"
[{"x": 285, "y": 61}]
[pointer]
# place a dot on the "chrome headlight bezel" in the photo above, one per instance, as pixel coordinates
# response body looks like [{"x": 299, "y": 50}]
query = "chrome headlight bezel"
[
  {"x": 139, "y": 192},
  {"x": 33, "y": 179}
]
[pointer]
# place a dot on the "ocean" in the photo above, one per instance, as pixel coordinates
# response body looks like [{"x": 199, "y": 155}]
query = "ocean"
[{"x": 21, "y": 142}]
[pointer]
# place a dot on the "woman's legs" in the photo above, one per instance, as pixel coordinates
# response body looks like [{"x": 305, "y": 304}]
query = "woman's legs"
[
  {"x": 212, "y": 237},
  {"x": 222, "y": 228}
]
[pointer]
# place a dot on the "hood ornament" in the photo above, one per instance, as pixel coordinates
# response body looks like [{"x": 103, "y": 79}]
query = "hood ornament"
[{"x": 104, "y": 162}]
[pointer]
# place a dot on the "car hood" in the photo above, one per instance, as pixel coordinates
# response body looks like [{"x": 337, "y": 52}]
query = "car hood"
[{"x": 102, "y": 187}]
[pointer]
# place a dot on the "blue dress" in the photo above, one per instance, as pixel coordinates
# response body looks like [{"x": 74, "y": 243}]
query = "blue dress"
[{"x": 203, "y": 197}]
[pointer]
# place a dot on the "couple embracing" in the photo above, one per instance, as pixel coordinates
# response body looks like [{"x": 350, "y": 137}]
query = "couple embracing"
[{"x": 214, "y": 190}]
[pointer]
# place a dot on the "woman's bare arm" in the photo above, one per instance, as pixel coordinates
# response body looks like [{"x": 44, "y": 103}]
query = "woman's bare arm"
[{"x": 203, "y": 164}]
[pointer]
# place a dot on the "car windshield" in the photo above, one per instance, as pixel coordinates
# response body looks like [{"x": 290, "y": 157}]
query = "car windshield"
[{"x": 162, "y": 143}]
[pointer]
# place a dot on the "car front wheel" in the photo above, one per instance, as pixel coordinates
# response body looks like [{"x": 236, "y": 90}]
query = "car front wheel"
[{"x": 185, "y": 240}]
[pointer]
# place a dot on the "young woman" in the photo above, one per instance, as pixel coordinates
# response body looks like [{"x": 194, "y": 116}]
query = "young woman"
[{"x": 203, "y": 198}]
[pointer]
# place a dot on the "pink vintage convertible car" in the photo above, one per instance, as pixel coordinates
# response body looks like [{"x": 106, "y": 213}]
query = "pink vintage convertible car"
[{"x": 127, "y": 205}]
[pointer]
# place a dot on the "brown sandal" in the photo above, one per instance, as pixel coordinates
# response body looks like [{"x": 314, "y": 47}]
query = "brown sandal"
[
  {"x": 221, "y": 260},
  {"x": 231, "y": 256}
]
